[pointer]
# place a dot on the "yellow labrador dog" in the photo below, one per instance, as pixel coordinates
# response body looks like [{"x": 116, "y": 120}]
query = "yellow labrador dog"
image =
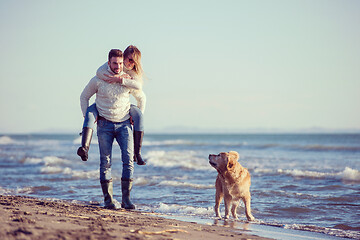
[{"x": 232, "y": 183}]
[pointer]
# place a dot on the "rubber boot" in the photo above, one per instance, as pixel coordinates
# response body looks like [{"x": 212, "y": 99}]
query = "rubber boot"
[
  {"x": 126, "y": 186},
  {"x": 107, "y": 189},
  {"x": 138, "y": 138},
  {"x": 86, "y": 136}
]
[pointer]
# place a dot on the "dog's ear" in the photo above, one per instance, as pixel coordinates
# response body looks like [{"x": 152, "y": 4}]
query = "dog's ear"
[
  {"x": 234, "y": 155},
  {"x": 232, "y": 158},
  {"x": 230, "y": 163}
]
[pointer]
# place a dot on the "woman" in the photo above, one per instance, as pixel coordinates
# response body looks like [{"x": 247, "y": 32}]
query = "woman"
[{"x": 131, "y": 79}]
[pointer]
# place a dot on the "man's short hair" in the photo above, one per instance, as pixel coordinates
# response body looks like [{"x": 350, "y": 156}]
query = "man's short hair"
[{"x": 115, "y": 53}]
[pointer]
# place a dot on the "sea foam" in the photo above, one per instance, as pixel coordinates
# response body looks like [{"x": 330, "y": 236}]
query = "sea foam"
[
  {"x": 47, "y": 161},
  {"x": 186, "y": 185},
  {"x": 348, "y": 174},
  {"x": 181, "y": 209},
  {"x": 5, "y": 140},
  {"x": 183, "y": 159}
]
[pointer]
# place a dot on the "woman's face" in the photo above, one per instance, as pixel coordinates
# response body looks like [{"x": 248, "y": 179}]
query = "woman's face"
[{"x": 129, "y": 63}]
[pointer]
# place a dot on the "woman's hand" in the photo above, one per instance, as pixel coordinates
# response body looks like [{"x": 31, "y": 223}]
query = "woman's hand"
[
  {"x": 112, "y": 79},
  {"x": 115, "y": 78}
]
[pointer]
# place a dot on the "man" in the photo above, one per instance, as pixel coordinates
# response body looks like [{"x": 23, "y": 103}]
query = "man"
[{"x": 113, "y": 104}]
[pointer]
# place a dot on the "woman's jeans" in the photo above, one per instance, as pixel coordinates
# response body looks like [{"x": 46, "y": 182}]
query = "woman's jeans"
[
  {"x": 107, "y": 131},
  {"x": 136, "y": 114}
]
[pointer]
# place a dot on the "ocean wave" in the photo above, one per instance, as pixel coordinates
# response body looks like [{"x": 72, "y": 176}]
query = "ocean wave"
[
  {"x": 305, "y": 148},
  {"x": 75, "y": 174},
  {"x": 182, "y": 159},
  {"x": 183, "y": 142},
  {"x": 94, "y": 140},
  {"x": 47, "y": 161},
  {"x": 317, "y": 147},
  {"x": 6, "y": 140},
  {"x": 168, "y": 143},
  {"x": 32, "y": 190},
  {"x": 5, "y": 191},
  {"x": 329, "y": 231},
  {"x": 51, "y": 170},
  {"x": 284, "y": 193},
  {"x": 181, "y": 209},
  {"x": 258, "y": 146},
  {"x": 56, "y": 165},
  {"x": 348, "y": 174},
  {"x": 81, "y": 174},
  {"x": 24, "y": 190},
  {"x": 185, "y": 185}
]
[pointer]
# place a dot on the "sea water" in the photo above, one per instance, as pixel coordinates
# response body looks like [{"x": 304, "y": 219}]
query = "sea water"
[{"x": 308, "y": 182}]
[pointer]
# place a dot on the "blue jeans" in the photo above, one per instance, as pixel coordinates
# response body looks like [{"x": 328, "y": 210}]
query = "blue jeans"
[
  {"x": 107, "y": 131},
  {"x": 135, "y": 113}
]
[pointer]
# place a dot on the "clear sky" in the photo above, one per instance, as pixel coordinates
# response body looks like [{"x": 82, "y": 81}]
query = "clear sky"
[{"x": 215, "y": 65}]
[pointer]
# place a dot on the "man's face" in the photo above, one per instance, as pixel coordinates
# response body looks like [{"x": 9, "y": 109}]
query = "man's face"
[{"x": 116, "y": 64}]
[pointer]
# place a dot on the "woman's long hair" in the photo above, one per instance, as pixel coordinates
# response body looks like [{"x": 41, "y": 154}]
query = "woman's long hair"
[{"x": 134, "y": 53}]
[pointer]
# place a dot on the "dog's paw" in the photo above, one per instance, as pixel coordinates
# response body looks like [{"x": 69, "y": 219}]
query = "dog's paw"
[{"x": 251, "y": 218}]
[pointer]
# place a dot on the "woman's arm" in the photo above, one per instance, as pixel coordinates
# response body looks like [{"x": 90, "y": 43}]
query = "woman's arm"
[
  {"x": 123, "y": 79},
  {"x": 131, "y": 83}
]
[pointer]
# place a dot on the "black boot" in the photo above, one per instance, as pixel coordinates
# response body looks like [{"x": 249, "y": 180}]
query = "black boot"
[
  {"x": 107, "y": 189},
  {"x": 126, "y": 186},
  {"x": 138, "y": 137},
  {"x": 85, "y": 143}
]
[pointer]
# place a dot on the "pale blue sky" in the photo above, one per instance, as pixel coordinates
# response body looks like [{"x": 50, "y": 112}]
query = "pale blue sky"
[{"x": 211, "y": 64}]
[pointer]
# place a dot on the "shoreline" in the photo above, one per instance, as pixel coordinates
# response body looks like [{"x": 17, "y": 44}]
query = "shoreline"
[{"x": 25, "y": 217}]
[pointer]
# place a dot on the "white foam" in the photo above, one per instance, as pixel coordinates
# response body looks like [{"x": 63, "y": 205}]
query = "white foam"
[
  {"x": 181, "y": 209},
  {"x": 4, "y": 191},
  {"x": 77, "y": 141},
  {"x": 5, "y": 140},
  {"x": 24, "y": 190},
  {"x": 348, "y": 174},
  {"x": 183, "y": 159},
  {"x": 51, "y": 170},
  {"x": 325, "y": 230},
  {"x": 166, "y": 143},
  {"x": 185, "y": 184},
  {"x": 301, "y": 173},
  {"x": 81, "y": 174},
  {"x": 48, "y": 161},
  {"x": 148, "y": 180}
]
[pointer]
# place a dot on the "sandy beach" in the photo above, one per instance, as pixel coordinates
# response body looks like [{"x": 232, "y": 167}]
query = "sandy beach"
[{"x": 31, "y": 218}]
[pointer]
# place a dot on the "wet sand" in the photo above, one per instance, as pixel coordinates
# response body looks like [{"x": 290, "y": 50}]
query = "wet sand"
[{"x": 31, "y": 218}]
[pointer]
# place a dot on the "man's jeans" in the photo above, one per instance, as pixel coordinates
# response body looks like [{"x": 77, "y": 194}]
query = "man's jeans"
[{"x": 107, "y": 131}]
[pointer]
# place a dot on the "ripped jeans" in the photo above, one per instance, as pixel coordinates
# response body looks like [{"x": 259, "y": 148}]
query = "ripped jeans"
[{"x": 107, "y": 131}]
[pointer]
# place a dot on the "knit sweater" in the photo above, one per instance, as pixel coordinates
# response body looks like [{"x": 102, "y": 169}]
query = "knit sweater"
[
  {"x": 135, "y": 84},
  {"x": 112, "y": 99}
]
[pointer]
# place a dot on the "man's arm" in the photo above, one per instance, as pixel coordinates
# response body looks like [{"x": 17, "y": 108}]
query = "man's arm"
[
  {"x": 140, "y": 98},
  {"x": 87, "y": 93}
]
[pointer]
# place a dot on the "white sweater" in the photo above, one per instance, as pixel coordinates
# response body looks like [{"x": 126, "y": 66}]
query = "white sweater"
[
  {"x": 135, "y": 84},
  {"x": 112, "y": 99}
]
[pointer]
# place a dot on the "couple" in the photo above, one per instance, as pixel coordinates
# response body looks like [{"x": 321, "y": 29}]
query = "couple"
[{"x": 113, "y": 84}]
